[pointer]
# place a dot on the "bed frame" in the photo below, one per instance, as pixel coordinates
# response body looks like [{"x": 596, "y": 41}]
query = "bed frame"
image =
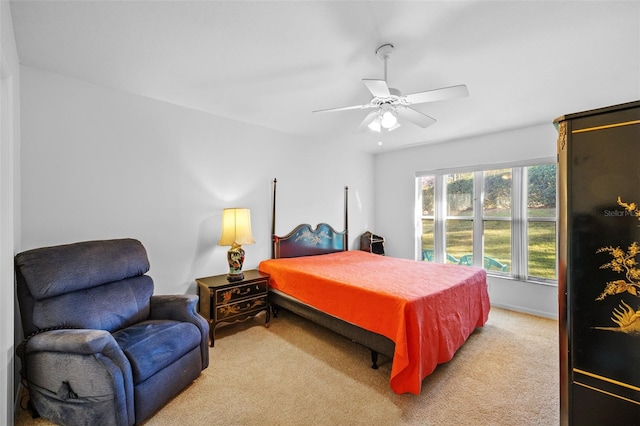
[{"x": 303, "y": 240}]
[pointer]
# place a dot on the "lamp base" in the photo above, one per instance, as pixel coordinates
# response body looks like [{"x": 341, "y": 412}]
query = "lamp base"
[
  {"x": 235, "y": 277},
  {"x": 235, "y": 257}
]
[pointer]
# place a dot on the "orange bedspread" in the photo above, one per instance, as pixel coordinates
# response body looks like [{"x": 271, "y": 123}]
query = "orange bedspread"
[{"x": 428, "y": 309}]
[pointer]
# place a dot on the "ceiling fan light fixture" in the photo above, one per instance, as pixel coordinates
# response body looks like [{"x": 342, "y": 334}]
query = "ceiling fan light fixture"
[
  {"x": 388, "y": 120},
  {"x": 375, "y": 125}
]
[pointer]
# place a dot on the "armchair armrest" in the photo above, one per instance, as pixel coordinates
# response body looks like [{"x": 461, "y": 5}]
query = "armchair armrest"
[
  {"x": 182, "y": 307},
  {"x": 81, "y": 366},
  {"x": 78, "y": 341},
  {"x": 179, "y": 307}
]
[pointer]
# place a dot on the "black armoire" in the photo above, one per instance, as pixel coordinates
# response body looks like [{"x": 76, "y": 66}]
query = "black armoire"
[{"x": 599, "y": 265}]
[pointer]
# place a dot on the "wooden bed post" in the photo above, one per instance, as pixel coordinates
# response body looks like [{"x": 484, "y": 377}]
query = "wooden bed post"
[
  {"x": 346, "y": 218},
  {"x": 273, "y": 220}
]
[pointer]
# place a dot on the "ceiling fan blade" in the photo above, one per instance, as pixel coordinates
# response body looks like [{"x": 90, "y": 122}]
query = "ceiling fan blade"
[
  {"x": 459, "y": 91},
  {"x": 416, "y": 117},
  {"x": 378, "y": 88},
  {"x": 368, "y": 120},
  {"x": 365, "y": 106}
]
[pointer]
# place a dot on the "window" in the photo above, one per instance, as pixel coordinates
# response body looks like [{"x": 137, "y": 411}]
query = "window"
[
  {"x": 459, "y": 220},
  {"x": 496, "y": 217},
  {"x": 541, "y": 216},
  {"x": 428, "y": 217},
  {"x": 502, "y": 219}
]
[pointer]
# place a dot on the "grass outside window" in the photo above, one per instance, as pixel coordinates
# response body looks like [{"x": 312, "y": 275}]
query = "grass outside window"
[{"x": 518, "y": 212}]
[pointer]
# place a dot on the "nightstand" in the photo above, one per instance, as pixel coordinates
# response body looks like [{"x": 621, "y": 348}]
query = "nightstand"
[{"x": 230, "y": 301}]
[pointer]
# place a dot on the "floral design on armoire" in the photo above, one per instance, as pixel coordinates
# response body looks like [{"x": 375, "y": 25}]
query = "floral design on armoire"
[{"x": 624, "y": 262}]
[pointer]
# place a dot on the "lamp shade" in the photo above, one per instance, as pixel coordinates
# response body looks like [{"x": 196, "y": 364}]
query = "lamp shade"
[
  {"x": 375, "y": 125},
  {"x": 388, "y": 120},
  {"x": 236, "y": 227}
]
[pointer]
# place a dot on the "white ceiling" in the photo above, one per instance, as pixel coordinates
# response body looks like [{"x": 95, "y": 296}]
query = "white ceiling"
[{"x": 271, "y": 63}]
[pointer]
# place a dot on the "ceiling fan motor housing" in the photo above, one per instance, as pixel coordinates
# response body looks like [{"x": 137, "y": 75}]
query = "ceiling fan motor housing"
[{"x": 384, "y": 51}]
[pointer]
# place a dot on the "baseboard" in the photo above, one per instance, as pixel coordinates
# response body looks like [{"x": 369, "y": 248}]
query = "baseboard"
[{"x": 524, "y": 310}]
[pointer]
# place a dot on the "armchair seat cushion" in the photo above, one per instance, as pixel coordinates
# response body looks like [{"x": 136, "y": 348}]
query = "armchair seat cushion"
[{"x": 153, "y": 345}]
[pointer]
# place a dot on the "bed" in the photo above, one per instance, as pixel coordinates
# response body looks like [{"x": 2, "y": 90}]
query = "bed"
[{"x": 417, "y": 313}]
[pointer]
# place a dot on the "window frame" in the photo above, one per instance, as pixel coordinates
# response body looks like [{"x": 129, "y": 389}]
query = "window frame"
[{"x": 519, "y": 216}]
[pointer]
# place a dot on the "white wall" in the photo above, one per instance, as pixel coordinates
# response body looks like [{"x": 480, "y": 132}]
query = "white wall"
[
  {"x": 9, "y": 205},
  {"x": 395, "y": 198},
  {"x": 100, "y": 163}
]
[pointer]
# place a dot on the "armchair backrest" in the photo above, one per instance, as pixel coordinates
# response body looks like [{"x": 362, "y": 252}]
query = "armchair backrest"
[{"x": 93, "y": 284}]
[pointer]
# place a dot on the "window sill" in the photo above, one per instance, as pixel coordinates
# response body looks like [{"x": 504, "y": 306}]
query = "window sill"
[{"x": 549, "y": 283}]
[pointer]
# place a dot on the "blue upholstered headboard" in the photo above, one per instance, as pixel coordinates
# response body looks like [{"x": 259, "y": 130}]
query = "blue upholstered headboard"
[{"x": 305, "y": 241}]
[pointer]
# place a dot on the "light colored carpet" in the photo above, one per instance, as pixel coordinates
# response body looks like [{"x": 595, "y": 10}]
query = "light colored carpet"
[{"x": 297, "y": 373}]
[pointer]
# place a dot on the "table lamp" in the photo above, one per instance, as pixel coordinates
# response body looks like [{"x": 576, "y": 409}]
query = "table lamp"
[{"x": 236, "y": 230}]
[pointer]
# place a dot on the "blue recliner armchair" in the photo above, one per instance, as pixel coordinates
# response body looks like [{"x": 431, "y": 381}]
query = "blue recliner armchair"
[{"x": 100, "y": 348}]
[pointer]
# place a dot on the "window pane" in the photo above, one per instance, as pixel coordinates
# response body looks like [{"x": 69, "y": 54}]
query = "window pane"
[
  {"x": 542, "y": 249},
  {"x": 428, "y": 195},
  {"x": 459, "y": 194},
  {"x": 427, "y": 240},
  {"x": 541, "y": 191},
  {"x": 497, "y": 245},
  {"x": 459, "y": 237},
  {"x": 541, "y": 203},
  {"x": 497, "y": 193}
]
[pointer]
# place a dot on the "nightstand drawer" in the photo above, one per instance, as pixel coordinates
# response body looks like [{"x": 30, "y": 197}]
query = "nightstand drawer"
[
  {"x": 244, "y": 291},
  {"x": 242, "y": 307}
]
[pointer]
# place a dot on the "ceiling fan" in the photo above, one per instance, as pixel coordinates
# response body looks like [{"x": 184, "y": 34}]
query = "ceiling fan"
[{"x": 389, "y": 104}]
